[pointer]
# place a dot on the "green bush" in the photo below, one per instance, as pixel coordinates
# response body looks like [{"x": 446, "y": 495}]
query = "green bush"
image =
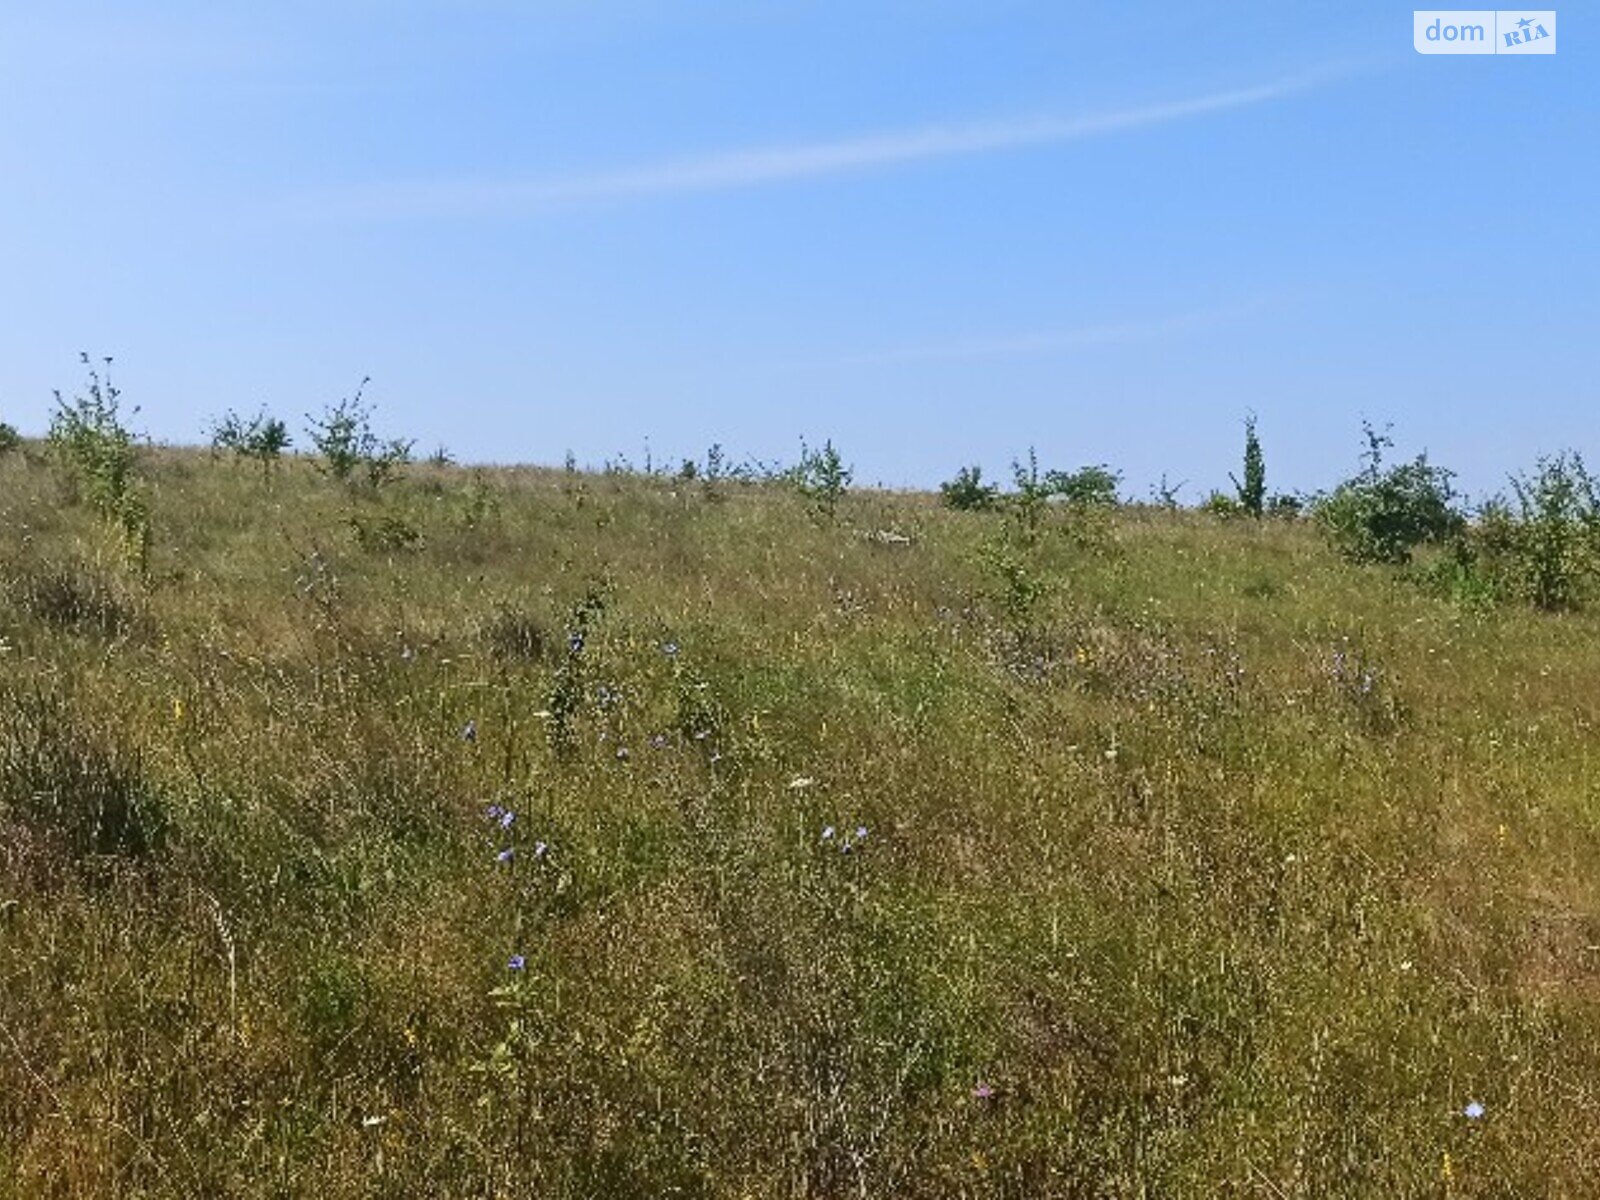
[
  {"x": 822, "y": 478},
  {"x": 343, "y": 437},
  {"x": 262, "y": 438},
  {"x": 10, "y": 439},
  {"x": 90, "y": 441},
  {"x": 385, "y": 533},
  {"x": 1220, "y": 504},
  {"x": 1543, "y": 548},
  {"x": 1383, "y": 514},
  {"x": 968, "y": 493},
  {"x": 1286, "y": 506},
  {"x": 1087, "y": 487}
]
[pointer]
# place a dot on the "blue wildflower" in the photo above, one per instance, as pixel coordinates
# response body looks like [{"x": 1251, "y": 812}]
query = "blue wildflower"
[
  {"x": 1472, "y": 1111},
  {"x": 517, "y": 963},
  {"x": 505, "y": 855}
]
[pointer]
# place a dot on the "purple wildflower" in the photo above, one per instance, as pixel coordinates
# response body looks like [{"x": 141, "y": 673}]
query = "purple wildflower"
[
  {"x": 505, "y": 855},
  {"x": 517, "y": 963}
]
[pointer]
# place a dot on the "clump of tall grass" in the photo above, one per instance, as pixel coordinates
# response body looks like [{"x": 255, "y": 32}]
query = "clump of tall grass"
[
  {"x": 72, "y": 596},
  {"x": 79, "y": 785},
  {"x": 512, "y": 634}
]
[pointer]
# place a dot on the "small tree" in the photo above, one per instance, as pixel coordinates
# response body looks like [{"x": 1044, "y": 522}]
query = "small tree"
[
  {"x": 822, "y": 478},
  {"x": 1253, "y": 491},
  {"x": 10, "y": 439}
]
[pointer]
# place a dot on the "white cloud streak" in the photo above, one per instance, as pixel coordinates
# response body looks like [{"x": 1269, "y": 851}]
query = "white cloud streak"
[
  {"x": 481, "y": 196},
  {"x": 1044, "y": 342}
]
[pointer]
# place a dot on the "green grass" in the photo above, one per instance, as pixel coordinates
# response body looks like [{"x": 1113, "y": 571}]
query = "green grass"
[{"x": 1208, "y": 914}]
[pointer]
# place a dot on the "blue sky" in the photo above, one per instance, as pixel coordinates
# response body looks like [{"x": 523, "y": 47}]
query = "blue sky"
[{"x": 937, "y": 232}]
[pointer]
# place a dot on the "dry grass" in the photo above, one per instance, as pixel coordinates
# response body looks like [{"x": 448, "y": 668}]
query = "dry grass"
[{"x": 1197, "y": 913}]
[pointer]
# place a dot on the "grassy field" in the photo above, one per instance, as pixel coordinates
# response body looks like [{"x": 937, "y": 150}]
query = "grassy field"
[{"x": 1159, "y": 857}]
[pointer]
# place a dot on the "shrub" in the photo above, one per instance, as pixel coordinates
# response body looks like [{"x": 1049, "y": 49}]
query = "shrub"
[
  {"x": 89, "y": 439},
  {"x": 385, "y": 533},
  {"x": 711, "y": 474},
  {"x": 1026, "y": 505},
  {"x": 1019, "y": 584},
  {"x": 478, "y": 502},
  {"x": 343, "y": 437},
  {"x": 1220, "y": 504},
  {"x": 10, "y": 439},
  {"x": 1087, "y": 487},
  {"x": 1544, "y": 548},
  {"x": 1164, "y": 494},
  {"x": 822, "y": 478},
  {"x": 1383, "y": 514},
  {"x": 262, "y": 438},
  {"x": 87, "y": 434},
  {"x": 1286, "y": 506},
  {"x": 968, "y": 493},
  {"x": 1252, "y": 492}
]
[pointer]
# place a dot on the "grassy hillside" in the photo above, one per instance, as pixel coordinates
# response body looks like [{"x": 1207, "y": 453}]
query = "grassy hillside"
[{"x": 1163, "y": 857}]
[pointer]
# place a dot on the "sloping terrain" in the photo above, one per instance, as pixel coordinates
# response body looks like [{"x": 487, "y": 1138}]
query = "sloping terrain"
[{"x": 540, "y": 833}]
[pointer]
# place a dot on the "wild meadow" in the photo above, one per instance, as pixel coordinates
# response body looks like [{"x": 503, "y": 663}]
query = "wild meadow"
[{"x": 538, "y": 832}]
